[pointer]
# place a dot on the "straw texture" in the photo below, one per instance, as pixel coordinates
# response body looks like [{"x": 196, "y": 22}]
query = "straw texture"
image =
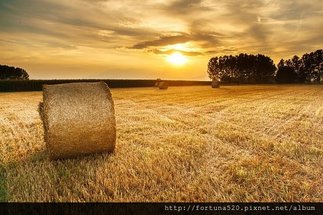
[{"x": 78, "y": 119}]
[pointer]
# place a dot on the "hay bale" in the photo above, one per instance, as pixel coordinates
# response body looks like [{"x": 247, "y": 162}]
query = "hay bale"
[
  {"x": 215, "y": 84},
  {"x": 78, "y": 119},
  {"x": 163, "y": 85},
  {"x": 157, "y": 82}
]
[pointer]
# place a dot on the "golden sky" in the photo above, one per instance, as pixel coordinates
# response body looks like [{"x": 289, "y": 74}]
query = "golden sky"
[{"x": 133, "y": 39}]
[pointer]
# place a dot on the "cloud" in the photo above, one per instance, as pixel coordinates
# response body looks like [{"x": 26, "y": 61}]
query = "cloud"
[
  {"x": 221, "y": 51},
  {"x": 72, "y": 21},
  {"x": 207, "y": 23},
  {"x": 126, "y": 28},
  {"x": 171, "y": 51},
  {"x": 297, "y": 9},
  {"x": 203, "y": 39},
  {"x": 185, "y": 6},
  {"x": 162, "y": 41}
]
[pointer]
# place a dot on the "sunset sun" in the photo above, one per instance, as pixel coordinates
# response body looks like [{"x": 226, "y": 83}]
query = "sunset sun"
[{"x": 177, "y": 59}]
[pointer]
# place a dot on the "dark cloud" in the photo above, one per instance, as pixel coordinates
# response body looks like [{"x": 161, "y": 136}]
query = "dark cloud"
[
  {"x": 185, "y": 6},
  {"x": 162, "y": 41},
  {"x": 73, "y": 24},
  {"x": 205, "y": 39}
]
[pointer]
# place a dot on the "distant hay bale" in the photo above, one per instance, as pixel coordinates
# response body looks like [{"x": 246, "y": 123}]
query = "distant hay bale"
[
  {"x": 215, "y": 84},
  {"x": 78, "y": 119},
  {"x": 163, "y": 85},
  {"x": 157, "y": 82}
]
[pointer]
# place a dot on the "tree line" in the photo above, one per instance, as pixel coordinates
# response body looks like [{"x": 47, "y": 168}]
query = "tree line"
[
  {"x": 242, "y": 68},
  {"x": 248, "y": 68}
]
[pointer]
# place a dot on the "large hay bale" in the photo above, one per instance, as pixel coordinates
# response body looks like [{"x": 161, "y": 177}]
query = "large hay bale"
[
  {"x": 78, "y": 119},
  {"x": 163, "y": 85},
  {"x": 215, "y": 84}
]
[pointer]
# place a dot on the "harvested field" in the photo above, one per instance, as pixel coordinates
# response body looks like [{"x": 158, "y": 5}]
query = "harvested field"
[{"x": 235, "y": 143}]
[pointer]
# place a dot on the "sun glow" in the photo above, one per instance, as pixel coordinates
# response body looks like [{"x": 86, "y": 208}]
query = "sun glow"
[{"x": 177, "y": 59}]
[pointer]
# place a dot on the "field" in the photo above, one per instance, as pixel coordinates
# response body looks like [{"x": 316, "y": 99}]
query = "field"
[{"x": 236, "y": 143}]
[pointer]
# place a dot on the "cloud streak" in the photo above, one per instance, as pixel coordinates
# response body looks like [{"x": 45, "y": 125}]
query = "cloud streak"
[
  {"x": 168, "y": 52},
  {"x": 163, "y": 41}
]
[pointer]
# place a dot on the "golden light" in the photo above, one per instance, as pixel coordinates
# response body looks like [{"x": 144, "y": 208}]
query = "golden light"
[
  {"x": 177, "y": 59},
  {"x": 178, "y": 46}
]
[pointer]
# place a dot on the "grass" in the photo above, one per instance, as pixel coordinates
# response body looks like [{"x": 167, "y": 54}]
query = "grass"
[{"x": 236, "y": 143}]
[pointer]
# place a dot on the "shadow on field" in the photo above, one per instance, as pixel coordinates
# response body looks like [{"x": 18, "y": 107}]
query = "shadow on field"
[
  {"x": 3, "y": 188},
  {"x": 61, "y": 180}
]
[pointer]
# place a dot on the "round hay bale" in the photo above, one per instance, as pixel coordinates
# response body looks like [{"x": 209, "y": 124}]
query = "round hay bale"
[
  {"x": 163, "y": 85},
  {"x": 215, "y": 84},
  {"x": 78, "y": 119},
  {"x": 157, "y": 82}
]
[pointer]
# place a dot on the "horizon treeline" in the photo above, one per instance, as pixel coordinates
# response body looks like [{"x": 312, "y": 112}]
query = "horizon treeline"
[
  {"x": 37, "y": 85},
  {"x": 248, "y": 68},
  {"x": 242, "y": 68}
]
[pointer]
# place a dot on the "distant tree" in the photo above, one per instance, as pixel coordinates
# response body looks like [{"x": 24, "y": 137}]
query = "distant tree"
[
  {"x": 12, "y": 73},
  {"x": 213, "y": 69},
  {"x": 286, "y": 74}
]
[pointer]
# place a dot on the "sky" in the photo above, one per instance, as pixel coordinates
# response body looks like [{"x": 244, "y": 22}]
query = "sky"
[{"x": 129, "y": 39}]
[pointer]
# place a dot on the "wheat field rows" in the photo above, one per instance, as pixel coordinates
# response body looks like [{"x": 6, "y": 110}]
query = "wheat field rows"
[{"x": 236, "y": 143}]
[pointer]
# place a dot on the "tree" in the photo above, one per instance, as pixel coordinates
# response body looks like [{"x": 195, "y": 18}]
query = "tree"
[
  {"x": 296, "y": 63},
  {"x": 281, "y": 64},
  {"x": 12, "y": 73},
  {"x": 286, "y": 74},
  {"x": 214, "y": 70}
]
